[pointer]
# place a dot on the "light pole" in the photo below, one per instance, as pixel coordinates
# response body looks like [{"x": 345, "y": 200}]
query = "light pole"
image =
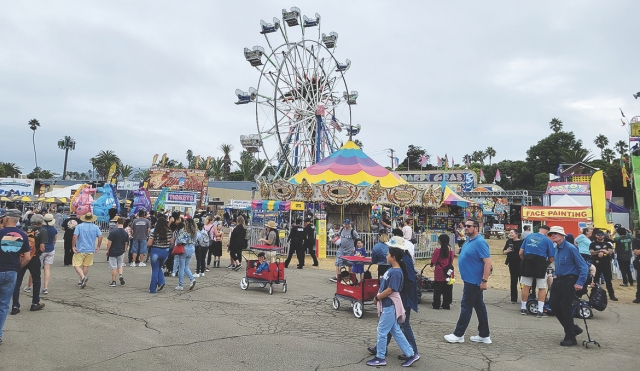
[{"x": 67, "y": 144}]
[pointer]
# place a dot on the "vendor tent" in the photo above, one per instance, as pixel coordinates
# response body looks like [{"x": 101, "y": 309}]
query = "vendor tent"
[
  {"x": 63, "y": 192},
  {"x": 565, "y": 200},
  {"x": 619, "y": 215},
  {"x": 450, "y": 197},
  {"x": 349, "y": 164}
]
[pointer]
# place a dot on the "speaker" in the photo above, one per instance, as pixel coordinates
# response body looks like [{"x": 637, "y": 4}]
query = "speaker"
[{"x": 515, "y": 214}]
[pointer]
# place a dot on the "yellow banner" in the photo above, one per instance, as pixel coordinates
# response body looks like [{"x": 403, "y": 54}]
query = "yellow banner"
[
  {"x": 543, "y": 213},
  {"x": 297, "y": 205},
  {"x": 321, "y": 237},
  {"x": 635, "y": 129}
]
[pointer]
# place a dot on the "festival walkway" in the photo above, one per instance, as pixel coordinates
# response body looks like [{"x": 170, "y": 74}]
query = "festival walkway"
[{"x": 218, "y": 326}]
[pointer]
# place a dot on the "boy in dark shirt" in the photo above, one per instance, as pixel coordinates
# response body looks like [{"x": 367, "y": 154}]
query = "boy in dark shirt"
[
  {"x": 116, "y": 246},
  {"x": 601, "y": 253}
]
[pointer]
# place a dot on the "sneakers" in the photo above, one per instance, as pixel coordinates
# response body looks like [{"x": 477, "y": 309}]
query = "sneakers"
[
  {"x": 192, "y": 285},
  {"x": 35, "y": 307},
  {"x": 541, "y": 315},
  {"x": 452, "y": 338},
  {"x": 333, "y": 279},
  {"x": 160, "y": 287},
  {"x": 132, "y": 264},
  {"x": 480, "y": 339},
  {"x": 173, "y": 274},
  {"x": 112, "y": 284},
  {"x": 623, "y": 284},
  {"x": 179, "y": 288},
  {"x": 83, "y": 282},
  {"x": 27, "y": 289},
  {"x": 230, "y": 266},
  {"x": 209, "y": 270},
  {"x": 142, "y": 265},
  {"x": 197, "y": 275},
  {"x": 523, "y": 312},
  {"x": 45, "y": 291},
  {"x": 121, "y": 280},
  {"x": 237, "y": 267},
  {"x": 201, "y": 274},
  {"x": 411, "y": 360},
  {"x": 377, "y": 362}
]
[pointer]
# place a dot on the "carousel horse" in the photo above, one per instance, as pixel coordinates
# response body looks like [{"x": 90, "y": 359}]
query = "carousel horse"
[
  {"x": 141, "y": 201},
  {"x": 108, "y": 198},
  {"x": 83, "y": 200}
]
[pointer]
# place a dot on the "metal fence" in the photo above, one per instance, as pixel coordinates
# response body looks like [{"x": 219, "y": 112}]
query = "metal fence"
[{"x": 426, "y": 244}]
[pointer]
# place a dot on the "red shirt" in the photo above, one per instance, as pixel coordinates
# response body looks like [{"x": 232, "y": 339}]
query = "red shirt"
[{"x": 439, "y": 263}]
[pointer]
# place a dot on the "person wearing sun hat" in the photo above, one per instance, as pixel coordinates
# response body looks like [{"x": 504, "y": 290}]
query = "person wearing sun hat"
[
  {"x": 570, "y": 274},
  {"x": 348, "y": 236},
  {"x": 84, "y": 238}
]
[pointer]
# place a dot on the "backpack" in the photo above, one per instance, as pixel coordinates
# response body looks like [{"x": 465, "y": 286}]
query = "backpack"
[
  {"x": 31, "y": 235},
  {"x": 598, "y": 298},
  {"x": 202, "y": 239}
]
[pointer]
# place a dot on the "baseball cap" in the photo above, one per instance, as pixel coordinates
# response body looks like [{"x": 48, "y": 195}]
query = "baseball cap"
[
  {"x": 11, "y": 213},
  {"x": 347, "y": 221}
]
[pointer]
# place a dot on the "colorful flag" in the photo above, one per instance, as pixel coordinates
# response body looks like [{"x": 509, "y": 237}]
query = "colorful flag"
[
  {"x": 394, "y": 163},
  {"x": 466, "y": 159},
  {"x": 497, "y": 178},
  {"x": 623, "y": 123},
  {"x": 625, "y": 176},
  {"x": 335, "y": 123},
  {"x": 423, "y": 160},
  {"x": 451, "y": 161},
  {"x": 439, "y": 161},
  {"x": 482, "y": 179}
]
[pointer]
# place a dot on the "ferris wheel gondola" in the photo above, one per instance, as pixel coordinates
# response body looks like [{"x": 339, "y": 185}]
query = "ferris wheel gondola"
[{"x": 302, "y": 100}]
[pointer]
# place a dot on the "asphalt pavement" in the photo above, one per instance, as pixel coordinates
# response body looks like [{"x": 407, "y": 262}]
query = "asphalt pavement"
[{"x": 219, "y": 326}]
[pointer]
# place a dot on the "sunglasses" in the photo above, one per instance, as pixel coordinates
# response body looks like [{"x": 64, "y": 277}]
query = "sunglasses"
[
  {"x": 599, "y": 234},
  {"x": 469, "y": 226}
]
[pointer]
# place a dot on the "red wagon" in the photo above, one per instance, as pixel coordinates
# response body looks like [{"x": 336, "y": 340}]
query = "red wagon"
[
  {"x": 357, "y": 293},
  {"x": 274, "y": 275}
]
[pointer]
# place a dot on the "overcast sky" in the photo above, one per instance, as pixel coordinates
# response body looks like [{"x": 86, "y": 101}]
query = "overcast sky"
[{"x": 147, "y": 77}]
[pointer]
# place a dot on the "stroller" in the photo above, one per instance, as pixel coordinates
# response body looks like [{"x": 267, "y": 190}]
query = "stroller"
[{"x": 424, "y": 284}]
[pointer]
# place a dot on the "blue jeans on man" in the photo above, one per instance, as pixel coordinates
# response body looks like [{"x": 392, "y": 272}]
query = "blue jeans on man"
[
  {"x": 7, "y": 284},
  {"x": 472, "y": 298},
  {"x": 158, "y": 257}
]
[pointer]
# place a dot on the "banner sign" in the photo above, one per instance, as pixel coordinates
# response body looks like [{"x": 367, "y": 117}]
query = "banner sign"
[
  {"x": 555, "y": 213},
  {"x": 181, "y": 197},
  {"x": 297, "y": 205},
  {"x": 239, "y": 204},
  {"x": 635, "y": 129},
  {"x": 465, "y": 178},
  {"x": 558, "y": 188},
  {"x": 16, "y": 187},
  {"x": 179, "y": 180}
]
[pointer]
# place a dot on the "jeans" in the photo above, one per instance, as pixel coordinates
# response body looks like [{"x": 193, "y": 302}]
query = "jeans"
[
  {"x": 388, "y": 323},
  {"x": 139, "y": 247},
  {"x": 472, "y": 298},
  {"x": 201, "y": 255},
  {"x": 405, "y": 327},
  {"x": 7, "y": 284},
  {"x": 183, "y": 261},
  {"x": 33, "y": 266},
  {"x": 158, "y": 257}
]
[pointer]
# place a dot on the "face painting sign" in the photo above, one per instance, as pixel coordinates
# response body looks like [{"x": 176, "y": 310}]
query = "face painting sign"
[{"x": 556, "y": 213}]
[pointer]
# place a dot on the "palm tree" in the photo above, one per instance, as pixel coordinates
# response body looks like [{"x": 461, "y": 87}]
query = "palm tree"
[
  {"x": 491, "y": 153},
  {"x": 10, "y": 169},
  {"x": 103, "y": 161},
  {"x": 358, "y": 143},
  {"x": 126, "y": 171},
  {"x": 621, "y": 147},
  {"x": 215, "y": 168},
  {"x": 478, "y": 156},
  {"x": 246, "y": 165},
  {"x": 226, "y": 162},
  {"x": 34, "y": 125},
  {"x": 66, "y": 144},
  {"x": 608, "y": 155},
  {"x": 577, "y": 155},
  {"x": 555, "y": 125},
  {"x": 601, "y": 142},
  {"x": 142, "y": 174}
]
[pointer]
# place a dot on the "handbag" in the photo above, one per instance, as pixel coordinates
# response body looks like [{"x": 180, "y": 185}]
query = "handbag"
[{"x": 178, "y": 250}]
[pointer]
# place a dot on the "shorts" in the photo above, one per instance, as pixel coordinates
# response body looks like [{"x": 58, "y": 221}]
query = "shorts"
[
  {"x": 341, "y": 262},
  {"x": 139, "y": 247},
  {"x": 47, "y": 258},
  {"x": 116, "y": 262},
  {"x": 541, "y": 283},
  {"x": 81, "y": 259}
]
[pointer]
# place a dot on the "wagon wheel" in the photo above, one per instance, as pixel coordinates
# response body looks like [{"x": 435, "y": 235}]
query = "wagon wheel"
[
  {"x": 262, "y": 284},
  {"x": 271, "y": 289},
  {"x": 244, "y": 284},
  {"x": 336, "y": 303},
  {"x": 284, "y": 287},
  {"x": 532, "y": 307},
  {"x": 357, "y": 309}
]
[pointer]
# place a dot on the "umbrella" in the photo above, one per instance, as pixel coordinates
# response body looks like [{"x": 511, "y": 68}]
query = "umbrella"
[
  {"x": 5, "y": 199},
  {"x": 23, "y": 198},
  {"x": 63, "y": 200},
  {"x": 42, "y": 198}
]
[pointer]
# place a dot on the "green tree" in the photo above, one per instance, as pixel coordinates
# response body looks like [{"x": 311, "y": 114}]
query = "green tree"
[
  {"x": 10, "y": 169},
  {"x": 412, "y": 161},
  {"x": 358, "y": 143},
  {"x": 126, "y": 171},
  {"x": 173, "y": 164},
  {"x": 142, "y": 174},
  {"x": 226, "y": 161},
  {"x": 601, "y": 142},
  {"x": 102, "y": 162},
  {"x": 577, "y": 155},
  {"x": 546, "y": 155},
  {"x": 541, "y": 180},
  {"x": 478, "y": 156},
  {"x": 491, "y": 153},
  {"x": 246, "y": 165},
  {"x": 608, "y": 155},
  {"x": 621, "y": 147},
  {"x": 215, "y": 169},
  {"x": 39, "y": 173},
  {"x": 34, "y": 125},
  {"x": 555, "y": 125},
  {"x": 190, "y": 159}
]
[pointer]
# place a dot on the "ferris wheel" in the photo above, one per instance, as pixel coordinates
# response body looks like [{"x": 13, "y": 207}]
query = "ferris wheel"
[{"x": 302, "y": 102}]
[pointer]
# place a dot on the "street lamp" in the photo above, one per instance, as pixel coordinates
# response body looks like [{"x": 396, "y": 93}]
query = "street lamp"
[{"x": 67, "y": 144}]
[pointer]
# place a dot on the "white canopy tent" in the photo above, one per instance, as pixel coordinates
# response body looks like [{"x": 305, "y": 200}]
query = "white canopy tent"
[{"x": 63, "y": 192}]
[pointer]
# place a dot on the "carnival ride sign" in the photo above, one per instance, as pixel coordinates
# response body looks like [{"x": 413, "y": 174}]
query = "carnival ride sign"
[
  {"x": 465, "y": 179},
  {"x": 560, "y": 188},
  {"x": 16, "y": 187},
  {"x": 555, "y": 213}
]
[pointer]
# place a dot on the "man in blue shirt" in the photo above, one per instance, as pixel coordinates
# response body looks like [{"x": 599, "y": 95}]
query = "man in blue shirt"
[
  {"x": 570, "y": 275},
  {"x": 84, "y": 239},
  {"x": 536, "y": 254},
  {"x": 474, "y": 265}
]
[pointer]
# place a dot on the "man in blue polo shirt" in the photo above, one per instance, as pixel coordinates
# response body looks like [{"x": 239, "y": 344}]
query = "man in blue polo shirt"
[
  {"x": 536, "y": 254},
  {"x": 474, "y": 264},
  {"x": 570, "y": 275}
]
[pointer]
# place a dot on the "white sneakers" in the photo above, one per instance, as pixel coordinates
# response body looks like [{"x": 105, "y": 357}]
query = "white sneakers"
[
  {"x": 132, "y": 264},
  {"x": 142, "y": 264},
  {"x": 196, "y": 275},
  {"x": 179, "y": 288},
  {"x": 452, "y": 338},
  {"x": 479, "y": 339}
]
